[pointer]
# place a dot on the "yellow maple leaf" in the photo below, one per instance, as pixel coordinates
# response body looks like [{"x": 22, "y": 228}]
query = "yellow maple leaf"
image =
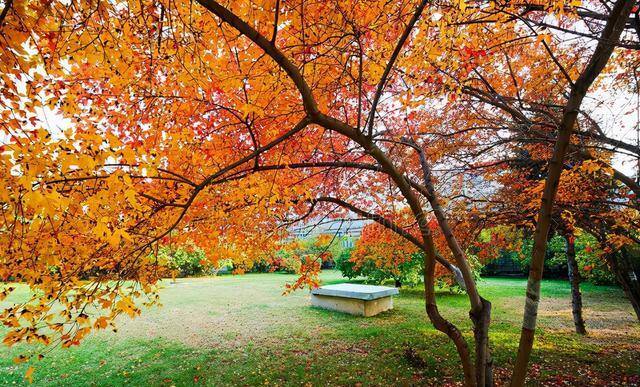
[
  {"x": 117, "y": 236},
  {"x": 101, "y": 229}
]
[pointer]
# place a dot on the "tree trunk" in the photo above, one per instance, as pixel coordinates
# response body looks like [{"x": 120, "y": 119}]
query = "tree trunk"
[
  {"x": 627, "y": 277},
  {"x": 623, "y": 269},
  {"x": 480, "y": 313},
  {"x": 440, "y": 323},
  {"x": 574, "y": 279},
  {"x": 483, "y": 362},
  {"x": 609, "y": 37}
]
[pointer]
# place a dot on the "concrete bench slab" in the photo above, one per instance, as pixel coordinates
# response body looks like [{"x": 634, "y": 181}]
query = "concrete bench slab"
[{"x": 360, "y": 300}]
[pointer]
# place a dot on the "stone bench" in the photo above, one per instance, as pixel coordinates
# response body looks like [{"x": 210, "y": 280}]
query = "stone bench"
[{"x": 360, "y": 300}]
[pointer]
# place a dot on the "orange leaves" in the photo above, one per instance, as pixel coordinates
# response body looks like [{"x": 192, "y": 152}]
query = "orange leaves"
[
  {"x": 546, "y": 38},
  {"x": 309, "y": 271},
  {"x": 70, "y": 340},
  {"x": 383, "y": 247},
  {"x": 20, "y": 359},
  {"x": 593, "y": 167},
  {"x": 493, "y": 241},
  {"x": 28, "y": 375},
  {"x": 618, "y": 241},
  {"x": 101, "y": 229},
  {"x": 132, "y": 199},
  {"x": 27, "y": 335},
  {"x": 101, "y": 322},
  {"x": 83, "y": 320},
  {"x": 13, "y": 337},
  {"x": 305, "y": 257},
  {"x": 5, "y": 290},
  {"x": 159, "y": 113},
  {"x": 118, "y": 236}
]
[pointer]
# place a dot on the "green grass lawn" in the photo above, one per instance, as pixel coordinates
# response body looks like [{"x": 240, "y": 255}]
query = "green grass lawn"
[{"x": 241, "y": 330}]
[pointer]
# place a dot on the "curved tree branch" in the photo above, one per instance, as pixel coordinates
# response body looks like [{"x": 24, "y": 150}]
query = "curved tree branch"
[
  {"x": 395, "y": 228},
  {"x": 390, "y": 64},
  {"x": 269, "y": 48}
]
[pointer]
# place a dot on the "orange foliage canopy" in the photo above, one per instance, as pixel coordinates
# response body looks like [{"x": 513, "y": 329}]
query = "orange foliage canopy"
[
  {"x": 387, "y": 250},
  {"x": 129, "y": 125},
  {"x": 384, "y": 248}
]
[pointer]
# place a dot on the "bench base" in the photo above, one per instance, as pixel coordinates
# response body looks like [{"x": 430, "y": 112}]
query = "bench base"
[{"x": 353, "y": 306}]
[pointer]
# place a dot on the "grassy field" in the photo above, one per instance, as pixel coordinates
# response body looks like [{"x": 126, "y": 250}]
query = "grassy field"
[{"x": 241, "y": 330}]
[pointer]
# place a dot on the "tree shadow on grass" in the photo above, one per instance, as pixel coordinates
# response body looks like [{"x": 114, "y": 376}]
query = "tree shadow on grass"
[{"x": 418, "y": 292}]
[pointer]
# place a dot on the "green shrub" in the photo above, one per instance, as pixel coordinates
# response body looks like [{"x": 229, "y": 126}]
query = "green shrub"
[
  {"x": 407, "y": 273},
  {"x": 261, "y": 266},
  {"x": 287, "y": 261},
  {"x": 555, "y": 260},
  {"x": 186, "y": 261},
  {"x": 592, "y": 267},
  {"x": 346, "y": 267},
  {"x": 190, "y": 261}
]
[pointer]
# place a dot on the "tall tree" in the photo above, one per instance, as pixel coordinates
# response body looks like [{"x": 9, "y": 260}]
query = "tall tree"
[
  {"x": 574, "y": 278},
  {"x": 616, "y": 23}
]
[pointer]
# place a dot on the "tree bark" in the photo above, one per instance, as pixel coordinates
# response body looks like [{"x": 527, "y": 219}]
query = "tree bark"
[
  {"x": 610, "y": 36},
  {"x": 431, "y": 256},
  {"x": 440, "y": 323},
  {"x": 484, "y": 362},
  {"x": 574, "y": 279}
]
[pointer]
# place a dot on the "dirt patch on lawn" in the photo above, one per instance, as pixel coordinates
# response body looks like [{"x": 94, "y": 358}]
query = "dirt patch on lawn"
[{"x": 556, "y": 313}]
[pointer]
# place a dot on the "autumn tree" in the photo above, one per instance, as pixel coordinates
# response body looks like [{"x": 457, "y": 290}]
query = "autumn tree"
[{"x": 217, "y": 123}]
